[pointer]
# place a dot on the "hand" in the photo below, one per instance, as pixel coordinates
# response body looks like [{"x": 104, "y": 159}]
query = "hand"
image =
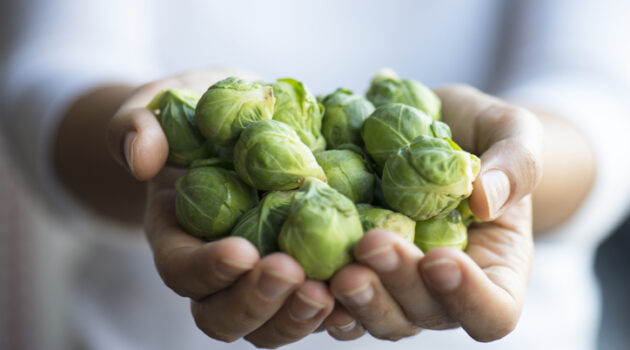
[
  {"x": 234, "y": 293},
  {"x": 395, "y": 291}
]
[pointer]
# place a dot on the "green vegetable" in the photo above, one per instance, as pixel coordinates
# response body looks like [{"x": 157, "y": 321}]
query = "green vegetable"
[
  {"x": 298, "y": 108},
  {"x": 346, "y": 172},
  {"x": 387, "y": 87},
  {"x": 395, "y": 125},
  {"x": 428, "y": 178},
  {"x": 211, "y": 199},
  {"x": 270, "y": 156},
  {"x": 228, "y": 106},
  {"x": 448, "y": 231},
  {"x": 261, "y": 225},
  {"x": 344, "y": 115},
  {"x": 175, "y": 110},
  {"x": 320, "y": 230},
  {"x": 373, "y": 217}
]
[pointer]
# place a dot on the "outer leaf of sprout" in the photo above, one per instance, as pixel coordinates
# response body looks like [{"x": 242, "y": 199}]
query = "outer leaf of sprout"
[{"x": 261, "y": 225}]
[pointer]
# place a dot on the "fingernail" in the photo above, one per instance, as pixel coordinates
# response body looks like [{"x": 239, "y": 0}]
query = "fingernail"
[
  {"x": 130, "y": 140},
  {"x": 497, "y": 187},
  {"x": 382, "y": 259},
  {"x": 346, "y": 327},
  {"x": 360, "y": 296},
  {"x": 443, "y": 274},
  {"x": 303, "y": 308},
  {"x": 272, "y": 285},
  {"x": 229, "y": 270}
]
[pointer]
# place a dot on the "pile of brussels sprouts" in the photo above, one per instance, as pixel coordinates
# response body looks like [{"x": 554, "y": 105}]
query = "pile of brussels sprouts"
[{"x": 308, "y": 176}]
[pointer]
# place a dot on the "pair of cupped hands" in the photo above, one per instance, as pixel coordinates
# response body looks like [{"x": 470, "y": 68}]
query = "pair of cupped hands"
[{"x": 392, "y": 290}]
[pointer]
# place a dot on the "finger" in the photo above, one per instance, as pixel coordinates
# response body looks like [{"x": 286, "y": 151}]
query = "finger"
[
  {"x": 300, "y": 316},
  {"x": 187, "y": 265},
  {"x": 249, "y": 303},
  {"x": 483, "y": 289},
  {"x": 362, "y": 294},
  {"x": 395, "y": 260},
  {"x": 509, "y": 140},
  {"x": 343, "y": 326},
  {"x": 136, "y": 140}
]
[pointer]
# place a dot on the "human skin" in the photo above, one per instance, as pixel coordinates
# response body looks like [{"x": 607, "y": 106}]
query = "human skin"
[{"x": 393, "y": 290}]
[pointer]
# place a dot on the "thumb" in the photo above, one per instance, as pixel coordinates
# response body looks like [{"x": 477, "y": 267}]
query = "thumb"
[
  {"x": 136, "y": 140},
  {"x": 510, "y": 140}
]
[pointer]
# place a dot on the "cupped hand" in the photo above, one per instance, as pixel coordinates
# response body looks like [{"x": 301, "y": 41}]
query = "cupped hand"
[
  {"x": 395, "y": 291},
  {"x": 234, "y": 293}
]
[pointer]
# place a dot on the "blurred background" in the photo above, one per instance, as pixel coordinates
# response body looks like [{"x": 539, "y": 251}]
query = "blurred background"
[{"x": 38, "y": 258}]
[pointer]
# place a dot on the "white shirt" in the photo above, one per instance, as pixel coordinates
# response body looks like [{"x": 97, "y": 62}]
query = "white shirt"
[{"x": 567, "y": 56}]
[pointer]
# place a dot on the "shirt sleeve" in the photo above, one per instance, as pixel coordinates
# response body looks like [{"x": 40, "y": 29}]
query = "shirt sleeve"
[
  {"x": 571, "y": 58},
  {"x": 57, "y": 51}
]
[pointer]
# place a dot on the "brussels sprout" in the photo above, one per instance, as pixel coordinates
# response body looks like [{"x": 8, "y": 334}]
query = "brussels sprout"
[
  {"x": 428, "y": 178},
  {"x": 298, "y": 108},
  {"x": 261, "y": 225},
  {"x": 395, "y": 125},
  {"x": 387, "y": 87},
  {"x": 448, "y": 231},
  {"x": 175, "y": 110},
  {"x": 373, "y": 217},
  {"x": 320, "y": 230},
  {"x": 211, "y": 199},
  {"x": 270, "y": 156},
  {"x": 347, "y": 173},
  {"x": 344, "y": 115},
  {"x": 228, "y": 106}
]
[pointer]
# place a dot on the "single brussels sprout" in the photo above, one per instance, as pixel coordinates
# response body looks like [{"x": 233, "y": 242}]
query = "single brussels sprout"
[
  {"x": 428, "y": 178},
  {"x": 387, "y": 87},
  {"x": 261, "y": 225},
  {"x": 175, "y": 110},
  {"x": 298, "y": 108},
  {"x": 211, "y": 199},
  {"x": 269, "y": 155},
  {"x": 347, "y": 172},
  {"x": 228, "y": 106},
  {"x": 395, "y": 125},
  {"x": 448, "y": 231},
  {"x": 344, "y": 115},
  {"x": 320, "y": 230},
  {"x": 373, "y": 217}
]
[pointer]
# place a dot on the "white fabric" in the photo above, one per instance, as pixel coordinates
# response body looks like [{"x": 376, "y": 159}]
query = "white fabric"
[{"x": 568, "y": 56}]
